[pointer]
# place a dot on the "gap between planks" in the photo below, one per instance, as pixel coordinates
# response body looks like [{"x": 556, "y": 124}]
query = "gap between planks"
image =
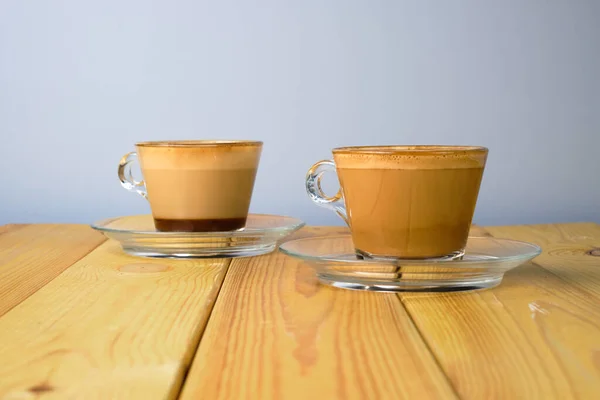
[
  {"x": 175, "y": 393},
  {"x": 110, "y": 326},
  {"x": 31, "y": 256},
  {"x": 511, "y": 341},
  {"x": 276, "y": 333}
]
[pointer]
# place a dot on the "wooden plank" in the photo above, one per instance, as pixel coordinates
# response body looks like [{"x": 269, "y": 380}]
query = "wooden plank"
[
  {"x": 10, "y": 227},
  {"x": 311, "y": 231},
  {"x": 275, "y": 333},
  {"x": 33, "y": 255},
  {"x": 571, "y": 251},
  {"x": 534, "y": 336},
  {"x": 111, "y": 326}
]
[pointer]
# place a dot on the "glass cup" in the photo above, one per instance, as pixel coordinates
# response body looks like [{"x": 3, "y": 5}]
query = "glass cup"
[
  {"x": 406, "y": 202},
  {"x": 195, "y": 186}
]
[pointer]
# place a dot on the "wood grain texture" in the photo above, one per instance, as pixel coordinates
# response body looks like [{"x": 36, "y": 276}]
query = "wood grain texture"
[
  {"x": 533, "y": 337},
  {"x": 275, "y": 333},
  {"x": 33, "y": 255},
  {"x": 571, "y": 251},
  {"x": 110, "y": 326}
]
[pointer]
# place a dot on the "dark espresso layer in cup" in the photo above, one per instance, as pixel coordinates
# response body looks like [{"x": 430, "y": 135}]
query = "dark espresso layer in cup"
[{"x": 199, "y": 225}]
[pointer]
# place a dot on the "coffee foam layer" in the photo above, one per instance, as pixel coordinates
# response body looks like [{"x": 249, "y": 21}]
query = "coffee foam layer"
[
  {"x": 409, "y": 158},
  {"x": 199, "y": 158}
]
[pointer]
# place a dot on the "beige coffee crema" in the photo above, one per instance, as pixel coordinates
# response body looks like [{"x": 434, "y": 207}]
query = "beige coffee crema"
[{"x": 198, "y": 155}]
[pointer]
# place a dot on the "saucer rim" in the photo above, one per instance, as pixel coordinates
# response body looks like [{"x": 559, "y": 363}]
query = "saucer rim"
[
  {"x": 535, "y": 251},
  {"x": 294, "y": 225}
]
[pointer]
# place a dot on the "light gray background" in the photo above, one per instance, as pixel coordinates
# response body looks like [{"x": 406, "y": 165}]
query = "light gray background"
[{"x": 81, "y": 81}]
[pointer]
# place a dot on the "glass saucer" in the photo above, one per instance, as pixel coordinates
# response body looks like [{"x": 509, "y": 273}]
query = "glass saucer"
[
  {"x": 483, "y": 265},
  {"x": 138, "y": 236}
]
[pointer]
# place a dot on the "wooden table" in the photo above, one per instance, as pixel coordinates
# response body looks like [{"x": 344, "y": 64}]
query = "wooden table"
[{"x": 80, "y": 319}]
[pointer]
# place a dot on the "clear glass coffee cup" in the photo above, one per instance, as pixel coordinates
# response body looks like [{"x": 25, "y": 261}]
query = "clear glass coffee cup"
[
  {"x": 405, "y": 202},
  {"x": 197, "y": 185}
]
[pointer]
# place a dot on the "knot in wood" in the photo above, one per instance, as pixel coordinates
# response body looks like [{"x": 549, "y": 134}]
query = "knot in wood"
[{"x": 594, "y": 252}]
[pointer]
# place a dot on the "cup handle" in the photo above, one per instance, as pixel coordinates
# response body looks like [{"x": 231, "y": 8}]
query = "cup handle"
[
  {"x": 313, "y": 187},
  {"x": 126, "y": 177}
]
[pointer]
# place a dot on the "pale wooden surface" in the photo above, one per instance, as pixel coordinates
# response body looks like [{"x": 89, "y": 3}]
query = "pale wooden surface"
[
  {"x": 106, "y": 325},
  {"x": 110, "y": 326},
  {"x": 534, "y": 336},
  {"x": 33, "y": 255},
  {"x": 275, "y": 333},
  {"x": 572, "y": 252}
]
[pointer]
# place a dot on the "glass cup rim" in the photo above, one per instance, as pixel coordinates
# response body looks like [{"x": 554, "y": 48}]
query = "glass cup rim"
[
  {"x": 200, "y": 143},
  {"x": 421, "y": 150}
]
